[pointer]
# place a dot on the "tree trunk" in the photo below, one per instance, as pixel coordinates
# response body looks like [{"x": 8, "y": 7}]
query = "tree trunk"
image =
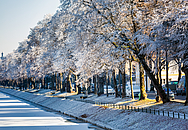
[
  {"x": 185, "y": 70},
  {"x": 143, "y": 94},
  {"x": 56, "y": 81},
  {"x": 186, "y": 82},
  {"x": 46, "y": 82},
  {"x": 123, "y": 84},
  {"x": 154, "y": 81},
  {"x": 12, "y": 83},
  {"x": 101, "y": 84},
  {"x": 160, "y": 69},
  {"x": 119, "y": 86},
  {"x": 98, "y": 84},
  {"x": 95, "y": 85},
  {"x": 61, "y": 79},
  {"x": 53, "y": 80},
  {"x": 115, "y": 83},
  {"x": 43, "y": 83},
  {"x": 32, "y": 82},
  {"x": 167, "y": 86},
  {"x": 179, "y": 70},
  {"x": 28, "y": 82},
  {"x": 69, "y": 82},
  {"x": 63, "y": 82},
  {"x": 76, "y": 84},
  {"x": 107, "y": 83},
  {"x": 158, "y": 73},
  {"x": 40, "y": 82},
  {"x": 157, "y": 65},
  {"x": 131, "y": 80},
  {"x": 23, "y": 83}
]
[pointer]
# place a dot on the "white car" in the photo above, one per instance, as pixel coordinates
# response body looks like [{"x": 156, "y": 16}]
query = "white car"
[
  {"x": 128, "y": 91},
  {"x": 171, "y": 94},
  {"x": 110, "y": 90},
  {"x": 136, "y": 90}
]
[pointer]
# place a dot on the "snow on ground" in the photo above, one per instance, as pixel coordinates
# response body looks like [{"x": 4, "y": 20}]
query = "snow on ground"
[{"x": 108, "y": 117}]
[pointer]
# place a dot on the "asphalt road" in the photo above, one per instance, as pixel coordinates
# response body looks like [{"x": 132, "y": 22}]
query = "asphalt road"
[{"x": 152, "y": 95}]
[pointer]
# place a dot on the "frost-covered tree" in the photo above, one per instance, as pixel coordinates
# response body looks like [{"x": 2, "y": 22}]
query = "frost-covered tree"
[
  {"x": 116, "y": 23},
  {"x": 168, "y": 27}
]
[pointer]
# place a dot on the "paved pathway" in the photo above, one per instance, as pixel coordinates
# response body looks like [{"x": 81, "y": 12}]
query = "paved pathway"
[{"x": 17, "y": 115}]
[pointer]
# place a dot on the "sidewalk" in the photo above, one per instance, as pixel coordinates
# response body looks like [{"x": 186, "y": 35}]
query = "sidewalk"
[{"x": 178, "y": 101}]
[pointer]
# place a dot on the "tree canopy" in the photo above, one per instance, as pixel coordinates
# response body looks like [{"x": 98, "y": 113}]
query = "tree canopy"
[{"x": 92, "y": 36}]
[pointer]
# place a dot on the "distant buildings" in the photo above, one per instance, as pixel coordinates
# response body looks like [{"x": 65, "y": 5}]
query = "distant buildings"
[{"x": 172, "y": 73}]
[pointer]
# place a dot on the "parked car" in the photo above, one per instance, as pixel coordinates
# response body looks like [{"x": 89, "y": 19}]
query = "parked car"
[
  {"x": 136, "y": 90},
  {"x": 171, "y": 94},
  {"x": 92, "y": 88},
  {"x": 181, "y": 88},
  {"x": 127, "y": 90},
  {"x": 173, "y": 85},
  {"x": 110, "y": 90}
]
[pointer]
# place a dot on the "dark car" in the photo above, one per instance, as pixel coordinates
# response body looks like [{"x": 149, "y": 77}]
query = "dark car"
[
  {"x": 173, "y": 85},
  {"x": 171, "y": 94},
  {"x": 92, "y": 88}
]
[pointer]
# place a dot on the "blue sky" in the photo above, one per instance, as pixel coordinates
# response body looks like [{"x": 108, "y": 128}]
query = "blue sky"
[{"x": 18, "y": 16}]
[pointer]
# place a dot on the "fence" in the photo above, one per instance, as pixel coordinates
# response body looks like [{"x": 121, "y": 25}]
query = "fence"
[{"x": 138, "y": 109}]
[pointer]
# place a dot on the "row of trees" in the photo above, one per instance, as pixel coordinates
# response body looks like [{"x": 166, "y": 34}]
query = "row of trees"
[{"x": 94, "y": 36}]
